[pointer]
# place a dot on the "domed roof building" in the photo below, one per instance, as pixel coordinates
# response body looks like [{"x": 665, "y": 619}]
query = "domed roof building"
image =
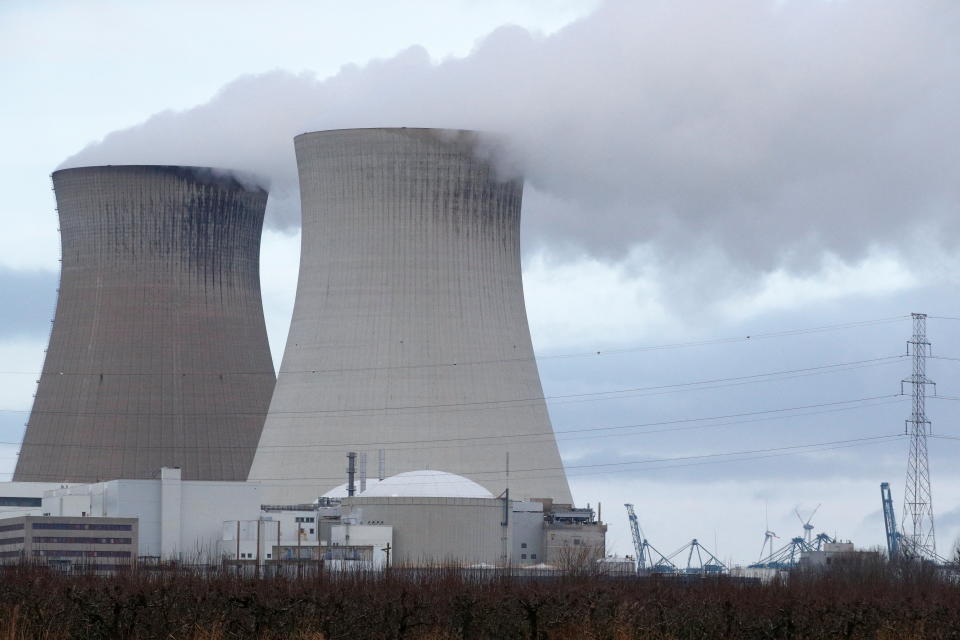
[{"x": 424, "y": 483}]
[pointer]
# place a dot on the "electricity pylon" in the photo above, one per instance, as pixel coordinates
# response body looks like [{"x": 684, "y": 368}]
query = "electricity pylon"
[{"x": 917, "y": 499}]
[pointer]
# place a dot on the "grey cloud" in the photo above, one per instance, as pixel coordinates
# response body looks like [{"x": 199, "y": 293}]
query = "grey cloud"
[
  {"x": 950, "y": 519},
  {"x": 842, "y": 465},
  {"x": 764, "y": 132},
  {"x": 29, "y": 298}
]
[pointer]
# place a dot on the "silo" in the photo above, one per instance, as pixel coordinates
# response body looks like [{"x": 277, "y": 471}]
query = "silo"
[
  {"x": 158, "y": 355},
  {"x": 409, "y": 332}
]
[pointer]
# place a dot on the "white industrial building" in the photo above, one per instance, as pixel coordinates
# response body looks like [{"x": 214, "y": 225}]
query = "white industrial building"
[
  {"x": 24, "y": 498},
  {"x": 416, "y": 518},
  {"x": 179, "y": 519}
]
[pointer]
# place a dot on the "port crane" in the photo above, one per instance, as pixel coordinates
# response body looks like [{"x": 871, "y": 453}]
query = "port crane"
[
  {"x": 646, "y": 560},
  {"x": 890, "y": 521}
]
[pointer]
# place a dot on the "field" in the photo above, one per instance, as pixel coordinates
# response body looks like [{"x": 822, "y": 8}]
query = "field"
[{"x": 873, "y": 600}]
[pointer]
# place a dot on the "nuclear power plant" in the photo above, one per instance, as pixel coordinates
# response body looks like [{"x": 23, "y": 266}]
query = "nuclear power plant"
[
  {"x": 157, "y": 412},
  {"x": 409, "y": 332},
  {"x": 158, "y": 355}
]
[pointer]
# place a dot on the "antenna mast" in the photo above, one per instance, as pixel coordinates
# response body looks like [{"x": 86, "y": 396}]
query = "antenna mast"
[{"x": 917, "y": 499}]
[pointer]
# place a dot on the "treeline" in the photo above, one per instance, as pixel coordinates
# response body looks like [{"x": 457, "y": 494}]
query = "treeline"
[{"x": 874, "y": 601}]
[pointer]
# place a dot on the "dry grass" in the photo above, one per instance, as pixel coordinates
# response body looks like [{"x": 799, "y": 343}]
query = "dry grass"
[{"x": 871, "y": 601}]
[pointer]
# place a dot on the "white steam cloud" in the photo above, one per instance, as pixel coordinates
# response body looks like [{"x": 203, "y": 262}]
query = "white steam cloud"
[{"x": 762, "y": 133}]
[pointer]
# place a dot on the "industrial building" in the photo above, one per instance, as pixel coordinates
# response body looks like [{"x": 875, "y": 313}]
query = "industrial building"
[
  {"x": 179, "y": 519},
  {"x": 24, "y": 498},
  {"x": 446, "y": 520},
  {"x": 409, "y": 330},
  {"x": 158, "y": 354},
  {"x": 409, "y": 342},
  {"x": 90, "y": 544}
]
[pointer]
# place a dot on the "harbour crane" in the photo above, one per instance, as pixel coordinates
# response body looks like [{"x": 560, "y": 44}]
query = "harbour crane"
[
  {"x": 637, "y": 535},
  {"x": 890, "y": 521},
  {"x": 648, "y": 557}
]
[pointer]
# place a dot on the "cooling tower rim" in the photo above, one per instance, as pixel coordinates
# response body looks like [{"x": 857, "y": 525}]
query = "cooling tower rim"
[
  {"x": 230, "y": 178},
  {"x": 472, "y": 133}
]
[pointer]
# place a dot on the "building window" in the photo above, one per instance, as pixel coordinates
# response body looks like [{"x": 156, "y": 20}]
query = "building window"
[
  {"x": 268, "y": 556},
  {"x": 523, "y": 545},
  {"x": 74, "y": 553},
  {"x": 80, "y": 526},
  {"x": 13, "y": 501},
  {"x": 12, "y": 527},
  {"x": 576, "y": 542},
  {"x": 533, "y": 556},
  {"x": 80, "y": 540},
  {"x": 311, "y": 530},
  {"x": 11, "y": 541},
  {"x": 523, "y": 556}
]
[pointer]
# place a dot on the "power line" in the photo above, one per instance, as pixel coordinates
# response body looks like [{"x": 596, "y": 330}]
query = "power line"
[
  {"x": 592, "y": 396},
  {"x": 579, "y": 354},
  {"x": 799, "y": 448},
  {"x": 764, "y": 414}
]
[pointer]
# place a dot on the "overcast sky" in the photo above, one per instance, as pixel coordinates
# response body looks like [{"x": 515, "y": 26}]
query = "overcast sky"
[{"x": 696, "y": 171}]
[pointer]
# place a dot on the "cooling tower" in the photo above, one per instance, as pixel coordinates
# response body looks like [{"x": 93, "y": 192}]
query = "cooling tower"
[
  {"x": 409, "y": 331},
  {"x": 158, "y": 354}
]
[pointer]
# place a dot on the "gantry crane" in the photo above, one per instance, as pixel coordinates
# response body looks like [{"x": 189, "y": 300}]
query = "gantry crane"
[
  {"x": 890, "y": 521},
  {"x": 646, "y": 560},
  {"x": 637, "y": 536}
]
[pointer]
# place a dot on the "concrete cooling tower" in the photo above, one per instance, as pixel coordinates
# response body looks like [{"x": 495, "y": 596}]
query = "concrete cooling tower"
[
  {"x": 409, "y": 331},
  {"x": 158, "y": 354}
]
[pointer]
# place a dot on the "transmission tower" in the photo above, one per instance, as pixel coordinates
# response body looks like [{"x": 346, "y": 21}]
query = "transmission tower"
[{"x": 917, "y": 499}]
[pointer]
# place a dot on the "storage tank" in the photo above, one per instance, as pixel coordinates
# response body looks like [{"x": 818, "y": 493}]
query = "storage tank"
[
  {"x": 158, "y": 355},
  {"x": 409, "y": 331}
]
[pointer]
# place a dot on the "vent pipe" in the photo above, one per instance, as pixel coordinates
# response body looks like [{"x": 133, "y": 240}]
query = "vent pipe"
[
  {"x": 363, "y": 472},
  {"x": 351, "y": 472}
]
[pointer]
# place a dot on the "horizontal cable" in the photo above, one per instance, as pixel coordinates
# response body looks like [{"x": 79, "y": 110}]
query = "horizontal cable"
[
  {"x": 534, "y": 471},
  {"x": 580, "y": 354},
  {"x": 835, "y": 406},
  {"x": 593, "y": 396}
]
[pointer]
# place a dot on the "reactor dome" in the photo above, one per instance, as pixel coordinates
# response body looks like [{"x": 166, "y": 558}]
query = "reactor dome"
[
  {"x": 340, "y": 491},
  {"x": 425, "y": 483}
]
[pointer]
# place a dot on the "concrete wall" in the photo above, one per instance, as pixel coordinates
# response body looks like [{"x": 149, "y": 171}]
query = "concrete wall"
[
  {"x": 158, "y": 354},
  {"x": 188, "y": 527},
  {"x": 574, "y": 544},
  {"x": 409, "y": 331},
  {"x": 527, "y": 528},
  {"x": 23, "y": 498},
  {"x": 378, "y": 537},
  {"x": 435, "y": 531}
]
